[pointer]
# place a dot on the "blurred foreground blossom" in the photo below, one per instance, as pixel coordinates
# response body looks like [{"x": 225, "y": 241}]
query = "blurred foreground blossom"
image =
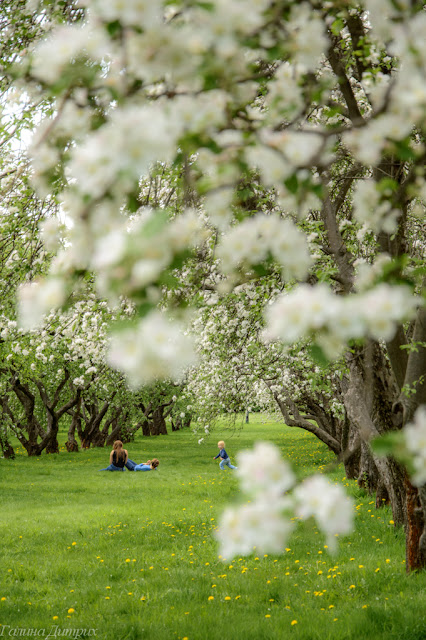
[
  {"x": 327, "y": 503},
  {"x": 415, "y": 439},
  {"x": 263, "y": 469},
  {"x": 155, "y": 349},
  {"x": 317, "y": 310},
  {"x": 259, "y": 525},
  {"x": 267, "y": 520},
  {"x": 36, "y": 299}
]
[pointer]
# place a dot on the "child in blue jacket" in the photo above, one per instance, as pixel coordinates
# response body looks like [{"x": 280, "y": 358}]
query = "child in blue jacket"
[{"x": 224, "y": 458}]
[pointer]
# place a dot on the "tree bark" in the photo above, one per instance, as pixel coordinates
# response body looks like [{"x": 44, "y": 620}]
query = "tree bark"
[
  {"x": 71, "y": 443},
  {"x": 293, "y": 418},
  {"x": 368, "y": 402},
  {"x": 158, "y": 424},
  {"x": 6, "y": 447},
  {"x": 416, "y": 537}
]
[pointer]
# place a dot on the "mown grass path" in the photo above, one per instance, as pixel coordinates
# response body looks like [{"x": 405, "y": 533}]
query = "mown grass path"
[{"x": 132, "y": 555}]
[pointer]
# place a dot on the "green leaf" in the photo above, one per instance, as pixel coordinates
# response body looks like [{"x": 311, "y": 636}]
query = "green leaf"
[
  {"x": 317, "y": 354},
  {"x": 292, "y": 183},
  {"x": 113, "y": 28},
  {"x": 337, "y": 26},
  {"x": 388, "y": 443}
]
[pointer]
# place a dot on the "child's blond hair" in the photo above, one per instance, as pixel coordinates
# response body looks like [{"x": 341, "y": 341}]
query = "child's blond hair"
[{"x": 221, "y": 444}]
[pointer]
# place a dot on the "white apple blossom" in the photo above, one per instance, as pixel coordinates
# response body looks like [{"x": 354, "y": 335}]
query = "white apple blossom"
[
  {"x": 307, "y": 38},
  {"x": 415, "y": 440},
  {"x": 306, "y": 310},
  {"x": 259, "y": 525},
  {"x": 252, "y": 241},
  {"x": 371, "y": 209},
  {"x": 218, "y": 207},
  {"x": 36, "y": 299},
  {"x": 157, "y": 348},
  {"x": 263, "y": 470},
  {"x": 186, "y": 231},
  {"x": 385, "y": 306},
  {"x": 142, "y": 13},
  {"x": 328, "y": 503},
  {"x": 273, "y": 167},
  {"x": 285, "y": 94},
  {"x": 52, "y": 55},
  {"x": 298, "y": 148},
  {"x": 50, "y": 233},
  {"x": 109, "y": 249}
]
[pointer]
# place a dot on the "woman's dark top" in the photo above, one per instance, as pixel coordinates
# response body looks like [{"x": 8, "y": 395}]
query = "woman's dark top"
[{"x": 118, "y": 461}]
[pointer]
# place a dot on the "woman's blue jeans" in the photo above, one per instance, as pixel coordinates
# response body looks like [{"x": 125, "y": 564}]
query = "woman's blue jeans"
[
  {"x": 130, "y": 465},
  {"x": 112, "y": 467}
]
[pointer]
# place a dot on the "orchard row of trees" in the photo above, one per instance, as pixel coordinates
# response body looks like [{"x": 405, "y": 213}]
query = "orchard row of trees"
[
  {"x": 58, "y": 376},
  {"x": 245, "y": 189}
]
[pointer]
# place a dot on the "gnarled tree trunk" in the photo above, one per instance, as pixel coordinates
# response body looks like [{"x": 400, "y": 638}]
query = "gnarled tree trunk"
[{"x": 158, "y": 423}]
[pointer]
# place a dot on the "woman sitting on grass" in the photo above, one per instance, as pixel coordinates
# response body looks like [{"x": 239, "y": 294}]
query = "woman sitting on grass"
[
  {"x": 117, "y": 458},
  {"x": 150, "y": 465}
]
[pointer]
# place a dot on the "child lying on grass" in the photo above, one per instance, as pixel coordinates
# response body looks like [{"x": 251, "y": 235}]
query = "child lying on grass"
[{"x": 150, "y": 465}]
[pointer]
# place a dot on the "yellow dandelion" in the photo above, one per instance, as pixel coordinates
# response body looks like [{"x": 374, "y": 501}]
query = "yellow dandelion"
[
  {"x": 227, "y": 597},
  {"x": 3, "y": 599},
  {"x": 378, "y": 569},
  {"x": 293, "y": 622},
  {"x": 71, "y": 610},
  {"x": 54, "y": 617},
  {"x": 73, "y": 544},
  {"x": 268, "y": 615},
  {"x": 391, "y": 522},
  {"x": 211, "y": 598},
  {"x": 352, "y": 586},
  {"x": 127, "y": 559}
]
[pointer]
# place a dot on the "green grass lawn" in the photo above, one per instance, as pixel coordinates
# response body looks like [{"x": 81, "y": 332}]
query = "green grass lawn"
[{"x": 132, "y": 555}]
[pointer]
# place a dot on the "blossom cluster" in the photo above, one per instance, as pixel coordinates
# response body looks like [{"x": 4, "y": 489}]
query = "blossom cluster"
[
  {"x": 138, "y": 83},
  {"x": 156, "y": 348},
  {"x": 415, "y": 441},
  {"x": 336, "y": 319},
  {"x": 254, "y": 240},
  {"x": 236, "y": 368},
  {"x": 268, "y": 519}
]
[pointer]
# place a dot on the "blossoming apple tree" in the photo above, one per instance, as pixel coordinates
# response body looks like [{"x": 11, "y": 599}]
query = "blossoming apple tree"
[{"x": 324, "y": 102}]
